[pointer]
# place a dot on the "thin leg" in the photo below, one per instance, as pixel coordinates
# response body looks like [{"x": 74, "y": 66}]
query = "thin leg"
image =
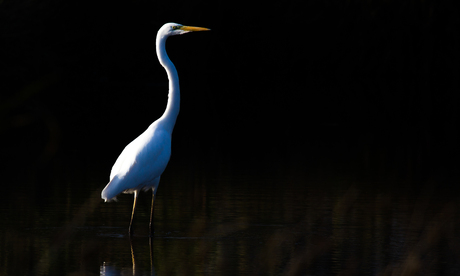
[
  {"x": 132, "y": 255},
  {"x": 132, "y": 215},
  {"x": 151, "y": 214}
]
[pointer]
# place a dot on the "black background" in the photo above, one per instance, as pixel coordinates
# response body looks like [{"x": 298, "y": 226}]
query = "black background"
[{"x": 374, "y": 84}]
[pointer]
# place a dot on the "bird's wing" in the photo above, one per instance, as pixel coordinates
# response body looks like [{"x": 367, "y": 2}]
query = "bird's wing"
[
  {"x": 153, "y": 158},
  {"x": 145, "y": 158}
]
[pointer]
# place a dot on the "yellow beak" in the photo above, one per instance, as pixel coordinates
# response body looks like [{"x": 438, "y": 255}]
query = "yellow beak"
[{"x": 194, "y": 29}]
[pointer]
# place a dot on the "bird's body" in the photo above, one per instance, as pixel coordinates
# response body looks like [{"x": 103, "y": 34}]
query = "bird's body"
[{"x": 140, "y": 165}]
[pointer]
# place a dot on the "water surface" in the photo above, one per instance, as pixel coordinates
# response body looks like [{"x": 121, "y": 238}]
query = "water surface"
[{"x": 224, "y": 219}]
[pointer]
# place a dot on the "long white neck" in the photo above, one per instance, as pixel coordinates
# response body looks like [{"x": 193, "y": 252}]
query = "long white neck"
[{"x": 168, "y": 119}]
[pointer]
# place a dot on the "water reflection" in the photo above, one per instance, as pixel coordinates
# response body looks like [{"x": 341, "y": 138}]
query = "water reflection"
[
  {"x": 231, "y": 222},
  {"x": 107, "y": 269}
]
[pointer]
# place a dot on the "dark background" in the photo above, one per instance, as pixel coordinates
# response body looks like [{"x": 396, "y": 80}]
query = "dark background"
[{"x": 367, "y": 86}]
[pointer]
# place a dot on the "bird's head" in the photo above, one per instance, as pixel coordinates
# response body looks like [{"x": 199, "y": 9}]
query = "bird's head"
[{"x": 170, "y": 29}]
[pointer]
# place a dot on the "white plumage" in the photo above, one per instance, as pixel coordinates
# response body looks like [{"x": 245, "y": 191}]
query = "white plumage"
[{"x": 141, "y": 163}]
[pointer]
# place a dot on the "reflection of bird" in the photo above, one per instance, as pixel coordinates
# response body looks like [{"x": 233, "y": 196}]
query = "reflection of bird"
[{"x": 142, "y": 162}]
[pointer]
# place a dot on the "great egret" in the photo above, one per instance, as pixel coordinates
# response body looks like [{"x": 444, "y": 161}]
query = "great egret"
[{"x": 141, "y": 163}]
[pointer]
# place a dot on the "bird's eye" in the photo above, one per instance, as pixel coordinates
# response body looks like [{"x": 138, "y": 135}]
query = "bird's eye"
[{"x": 175, "y": 27}]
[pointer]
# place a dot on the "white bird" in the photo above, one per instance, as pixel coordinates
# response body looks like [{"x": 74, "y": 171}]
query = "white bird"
[{"x": 141, "y": 163}]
